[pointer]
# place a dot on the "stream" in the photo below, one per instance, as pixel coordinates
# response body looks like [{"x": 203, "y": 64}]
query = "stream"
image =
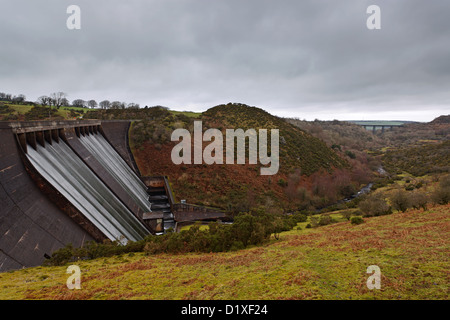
[{"x": 363, "y": 190}]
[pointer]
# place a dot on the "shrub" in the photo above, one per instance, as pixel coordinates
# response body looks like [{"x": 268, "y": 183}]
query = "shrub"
[
  {"x": 442, "y": 193},
  {"x": 61, "y": 256},
  {"x": 444, "y": 182},
  {"x": 346, "y": 214},
  {"x": 325, "y": 220},
  {"x": 249, "y": 228},
  {"x": 374, "y": 205},
  {"x": 282, "y": 183},
  {"x": 350, "y": 154},
  {"x": 357, "y": 220},
  {"x": 441, "y": 196},
  {"x": 5, "y": 109},
  {"x": 11, "y": 117},
  {"x": 237, "y": 245},
  {"x": 322, "y": 220},
  {"x": 38, "y": 113},
  {"x": 314, "y": 222},
  {"x": 299, "y": 217},
  {"x": 152, "y": 248},
  {"x": 419, "y": 200},
  {"x": 400, "y": 200},
  {"x": 74, "y": 114},
  {"x": 336, "y": 146},
  {"x": 381, "y": 182}
]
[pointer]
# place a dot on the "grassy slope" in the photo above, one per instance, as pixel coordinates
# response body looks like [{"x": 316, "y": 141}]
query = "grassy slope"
[
  {"x": 63, "y": 112},
  {"x": 412, "y": 250},
  {"x": 190, "y": 114}
]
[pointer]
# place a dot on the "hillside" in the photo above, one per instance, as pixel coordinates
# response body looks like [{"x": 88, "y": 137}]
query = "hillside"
[
  {"x": 330, "y": 262},
  {"x": 321, "y": 162},
  {"x": 30, "y": 111},
  {"x": 311, "y": 174},
  {"x": 298, "y": 149},
  {"x": 346, "y": 135},
  {"x": 418, "y": 133},
  {"x": 351, "y": 136},
  {"x": 305, "y": 163},
  {"x": 348, "y": 139},
  {"x": 419, "y": 160},
  {"x": 441, "y": 120}
]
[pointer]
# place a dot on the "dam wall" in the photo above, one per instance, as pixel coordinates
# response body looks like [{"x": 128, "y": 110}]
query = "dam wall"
[
  {"x": 70, "y": 182},
  {"x": 55, "y": 191},
  {"x": 31, "y": 225}
]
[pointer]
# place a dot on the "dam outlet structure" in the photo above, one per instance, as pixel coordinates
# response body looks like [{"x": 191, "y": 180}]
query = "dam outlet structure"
[{"x": 71, "y": 182}]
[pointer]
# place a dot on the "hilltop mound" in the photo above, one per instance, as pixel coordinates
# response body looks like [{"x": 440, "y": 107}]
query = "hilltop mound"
[
  {"x": 441, "y": 120},
  {"x": 298, "y": 149}
]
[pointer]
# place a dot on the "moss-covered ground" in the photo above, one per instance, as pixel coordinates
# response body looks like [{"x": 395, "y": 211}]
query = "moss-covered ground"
[{"x": 330, "y": 262}]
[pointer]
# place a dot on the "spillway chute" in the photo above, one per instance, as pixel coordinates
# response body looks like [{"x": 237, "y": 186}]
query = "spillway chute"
[
  {"x": 63, "y": 169},
  {"x": 99, "y": 147}
]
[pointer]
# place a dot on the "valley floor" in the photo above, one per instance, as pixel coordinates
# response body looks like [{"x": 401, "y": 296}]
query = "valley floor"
[{"x": 411, "y": 249}]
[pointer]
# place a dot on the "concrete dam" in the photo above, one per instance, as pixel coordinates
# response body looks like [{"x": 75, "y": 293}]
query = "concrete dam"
[{"x": 72, "y": 182}]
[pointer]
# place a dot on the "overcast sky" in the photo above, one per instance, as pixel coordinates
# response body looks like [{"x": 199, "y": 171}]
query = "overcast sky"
[{"x": 295, "y": 58}]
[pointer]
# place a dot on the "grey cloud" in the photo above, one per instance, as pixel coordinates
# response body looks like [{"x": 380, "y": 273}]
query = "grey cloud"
[{"x": 303, "y": 58}]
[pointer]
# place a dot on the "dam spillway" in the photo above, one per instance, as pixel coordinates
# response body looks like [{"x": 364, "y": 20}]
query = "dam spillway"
[
  {"x": 61, "y": 167},
  {"x": 118, "y": 168},
  {"x": 70, "y": 182},
  {"x": 67, "y": 182}
]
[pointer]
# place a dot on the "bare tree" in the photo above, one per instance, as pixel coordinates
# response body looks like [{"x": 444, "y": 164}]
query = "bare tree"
[
  {"x": 19, "y": 99},
  {"x": 133, "y": 105},
  {"x": 5, "y": 96},
  {"x": 401, "y": 200},
  {"x": 105, "y": 104},
  {"x": 92, "y": 104},
  {"x": 59, "y": 99},
  {"x": 116, "y": 105},
  {"x": 79, "y": 103},
  {"x": 65, "y": 103},
  {"x": 44, "y": 100}
]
